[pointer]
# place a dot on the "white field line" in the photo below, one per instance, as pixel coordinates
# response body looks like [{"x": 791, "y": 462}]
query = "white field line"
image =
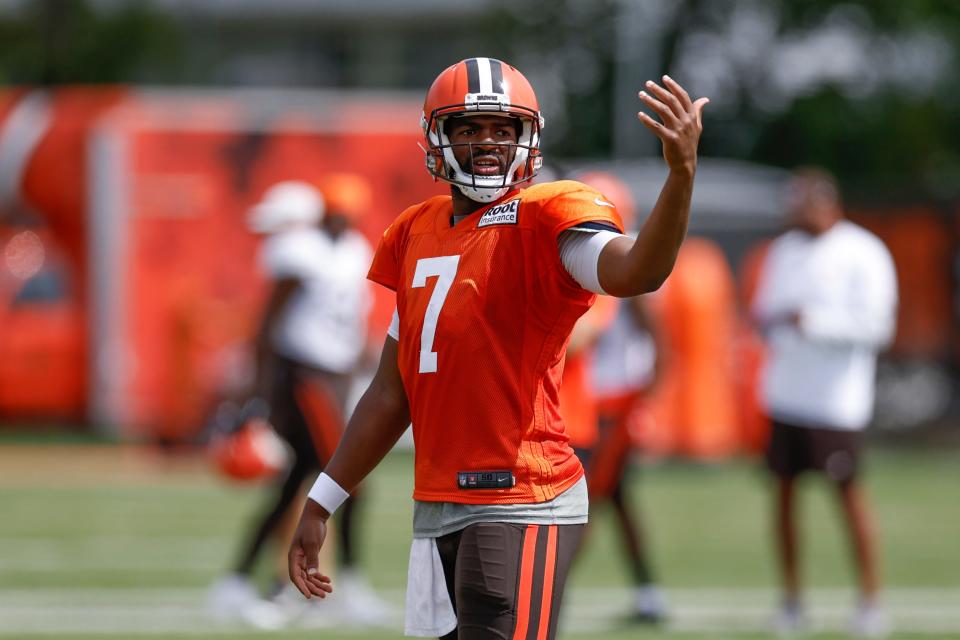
[
  {"x": 121, "y": 553},
  {"x": 155, "y": 611},
  {"x": 751, "y": 610}
]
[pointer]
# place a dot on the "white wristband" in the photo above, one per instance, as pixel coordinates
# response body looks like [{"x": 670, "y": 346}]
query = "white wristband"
[{"x": 327, "y": 493}]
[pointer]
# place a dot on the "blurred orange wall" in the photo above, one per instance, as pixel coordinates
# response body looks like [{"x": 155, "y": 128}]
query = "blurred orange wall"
[{"x": 148, "y": 191}]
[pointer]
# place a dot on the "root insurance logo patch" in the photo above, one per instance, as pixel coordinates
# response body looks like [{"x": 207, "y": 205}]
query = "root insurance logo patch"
[{"x": 503, "y": 213}]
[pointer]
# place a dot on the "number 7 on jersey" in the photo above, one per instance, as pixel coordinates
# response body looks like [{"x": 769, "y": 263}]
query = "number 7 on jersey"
[{"x": 445, "y": 270}]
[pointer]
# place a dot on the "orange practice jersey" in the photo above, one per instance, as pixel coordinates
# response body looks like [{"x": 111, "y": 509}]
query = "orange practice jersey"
[
  {"x": 577, "y": 404},
  {"x": 486, "y": 309}
]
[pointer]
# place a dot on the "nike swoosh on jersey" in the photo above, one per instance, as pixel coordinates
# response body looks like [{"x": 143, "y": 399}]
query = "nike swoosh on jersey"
[{"x": 603, "y": 203}]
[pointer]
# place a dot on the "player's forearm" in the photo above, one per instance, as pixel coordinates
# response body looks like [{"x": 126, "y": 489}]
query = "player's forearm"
[
  {"x": 261, "y": 366},
  {"x": 646, "y": 264},
  {"x": 262, "y": 353},
  {"x": 868, "y": 327},
  {"x": 381, "y": 417},
  {"x": 281, "y": 294}
]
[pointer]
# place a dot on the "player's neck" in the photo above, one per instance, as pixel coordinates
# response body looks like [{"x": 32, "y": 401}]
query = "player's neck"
[
  {"x": 462, "y": 205},
  {"x": 824, "y": 226}
]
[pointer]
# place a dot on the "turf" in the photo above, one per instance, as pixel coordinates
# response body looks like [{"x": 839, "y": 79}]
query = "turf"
[{"x": 149, "y": 526}]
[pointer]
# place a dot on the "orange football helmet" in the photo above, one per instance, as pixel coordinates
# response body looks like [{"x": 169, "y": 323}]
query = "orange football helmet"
[
  {"x": 346, "y": 194},
  {"x": 254, "y": 452},
  {"x": 489, "y": 86},
  {"x": 285, "y": 205},
  {"x": 244, "y": 446}
]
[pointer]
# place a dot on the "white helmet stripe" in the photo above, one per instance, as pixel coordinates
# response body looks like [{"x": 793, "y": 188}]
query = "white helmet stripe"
[{"x": 486, "y": 78}]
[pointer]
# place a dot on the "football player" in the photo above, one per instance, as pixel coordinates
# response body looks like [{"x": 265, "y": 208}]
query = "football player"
[
  {"x": 311, "y": 338},
  {"x": 622, "y": 368},
  {"x": 489, "y": 282}
]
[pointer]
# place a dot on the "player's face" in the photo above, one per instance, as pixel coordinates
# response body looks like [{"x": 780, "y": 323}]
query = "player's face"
[
  {"x": 336, "y": 223},
  {"x": 809, "y": 209},
  {"x": 483, "y": 143}
]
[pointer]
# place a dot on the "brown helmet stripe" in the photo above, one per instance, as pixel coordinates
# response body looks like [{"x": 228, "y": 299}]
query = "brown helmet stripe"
[
  {"x": 473, "y": 75},
  {"x": 496, "y": 76}
]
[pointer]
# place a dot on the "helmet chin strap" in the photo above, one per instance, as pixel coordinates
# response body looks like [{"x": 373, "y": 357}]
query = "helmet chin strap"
[
  {"x": 482, "y": 194},
  {"x": 479, "y": 188},
  {"x": 484, "y": 188}
]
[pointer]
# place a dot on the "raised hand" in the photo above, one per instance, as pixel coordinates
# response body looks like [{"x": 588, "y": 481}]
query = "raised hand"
[{"x": 680, "y": 122}]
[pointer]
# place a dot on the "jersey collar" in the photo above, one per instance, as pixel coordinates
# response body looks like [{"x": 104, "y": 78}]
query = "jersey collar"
[{"x": 448, "y": 218}]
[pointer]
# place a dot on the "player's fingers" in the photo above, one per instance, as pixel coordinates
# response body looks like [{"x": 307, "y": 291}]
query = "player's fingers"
[
  {"x": 678, "y": 91},
  {"x": 301, "y": 585},
  {"x": 667, "y": 98},
  {"x": 299, "y": 579},
  {"x": 665, "y": 113},
  {"x": 658, "y": 129},
  {"x": 320, "y": 580},
  {"x": 318, "y": 585},
  {"x": 698, "y": 106},
  {"x": 298, "y": 575}
]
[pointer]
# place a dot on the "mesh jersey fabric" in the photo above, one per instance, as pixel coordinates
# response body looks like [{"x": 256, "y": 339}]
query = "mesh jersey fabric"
[
  {"x": 486, "y": 309},
  {"x": 577, "y": 402}
]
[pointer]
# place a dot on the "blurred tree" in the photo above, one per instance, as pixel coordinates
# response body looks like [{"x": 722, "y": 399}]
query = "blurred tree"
[
  {"x": 865, "y": 88},
  {"x": 566, "y": 48},
  {"x": 66, "y": 41}
]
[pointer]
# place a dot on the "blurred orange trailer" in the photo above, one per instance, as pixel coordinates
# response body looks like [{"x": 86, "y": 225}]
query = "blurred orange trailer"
[
  {"x": 694, "y": 410},
  {"x": 147, "y": 192}
]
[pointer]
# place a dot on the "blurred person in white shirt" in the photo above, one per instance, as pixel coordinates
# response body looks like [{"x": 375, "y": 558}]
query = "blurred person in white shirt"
[
  {"x": 826, "y": 303},
  {"x": 626, "y": 362},
  {"x": 311, "y": 339}
]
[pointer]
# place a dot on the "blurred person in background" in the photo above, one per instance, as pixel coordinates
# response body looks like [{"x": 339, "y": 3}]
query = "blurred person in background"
[
  {"x": 626, "y": 355},
  {"x": 490, "y": 280},
  {"x": 311, "y": 339},
  {"x": 577, "y": 405},
  {"x": 826, "y": 302},
  {"x": 625, "y": 366}
]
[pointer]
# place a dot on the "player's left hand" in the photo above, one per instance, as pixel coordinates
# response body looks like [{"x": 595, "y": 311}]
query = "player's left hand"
[
  {"x": 680, "y": 125},
  {"x": 302, "y": 558}
]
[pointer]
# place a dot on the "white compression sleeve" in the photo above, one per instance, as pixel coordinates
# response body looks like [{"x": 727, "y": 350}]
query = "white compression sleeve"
[
  {"x": 394, "y": 330},
  {"x": 580, "y": 255}
]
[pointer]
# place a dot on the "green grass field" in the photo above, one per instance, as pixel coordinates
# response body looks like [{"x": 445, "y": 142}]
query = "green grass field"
[{"x": 122, "y": 544}]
